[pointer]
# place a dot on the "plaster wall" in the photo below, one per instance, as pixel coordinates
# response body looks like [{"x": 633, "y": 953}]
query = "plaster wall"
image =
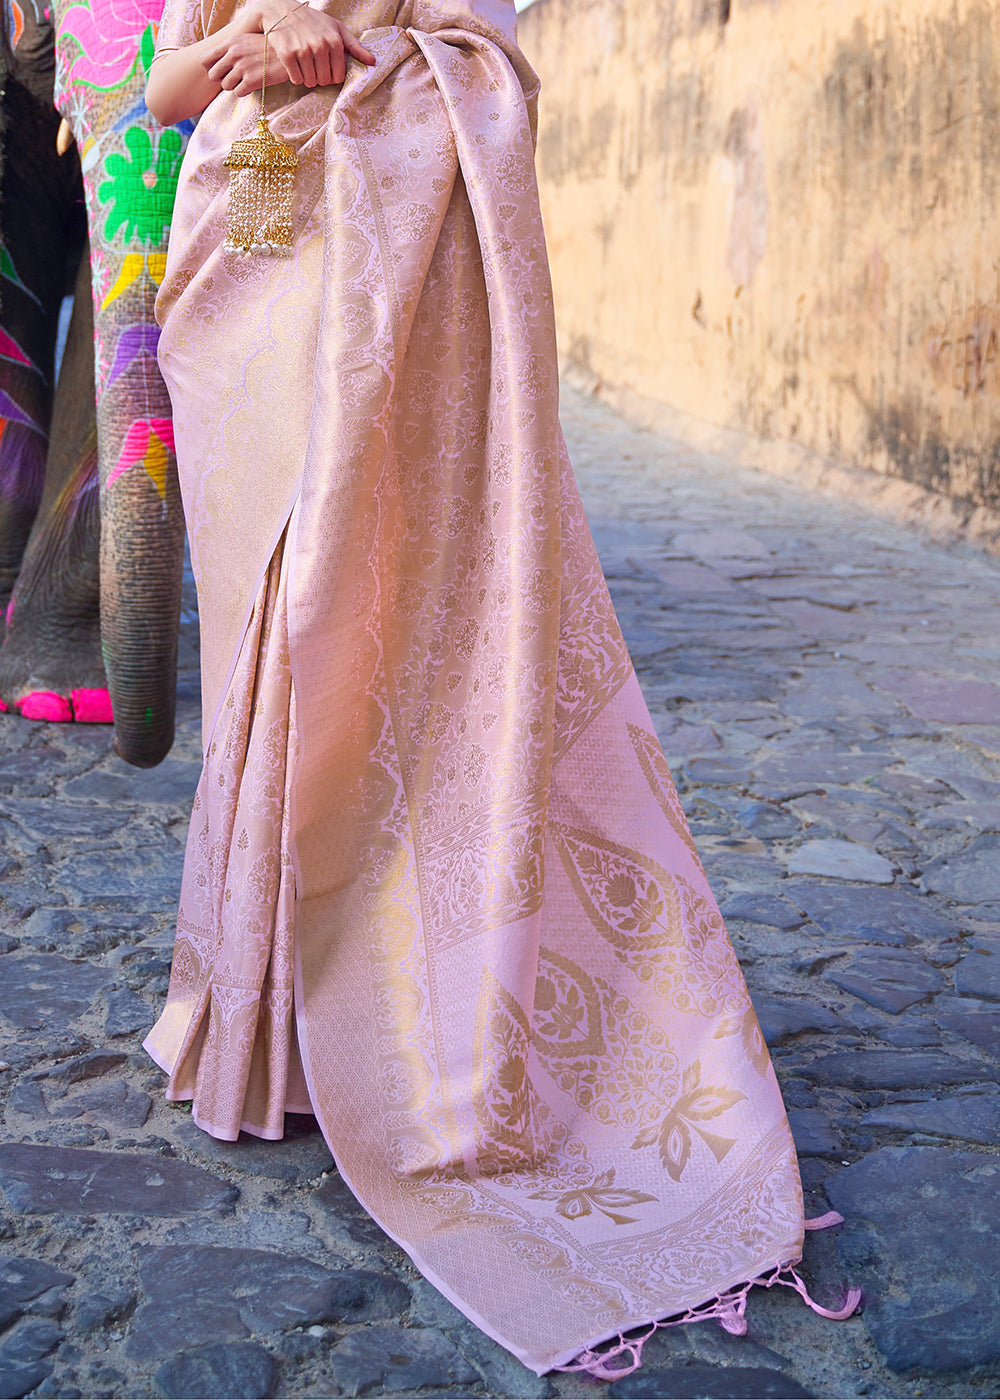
[{"x": 783, "y": 216}]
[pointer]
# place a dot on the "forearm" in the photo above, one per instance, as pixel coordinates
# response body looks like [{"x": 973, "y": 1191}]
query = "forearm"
[{"x": 179, "y": 85}]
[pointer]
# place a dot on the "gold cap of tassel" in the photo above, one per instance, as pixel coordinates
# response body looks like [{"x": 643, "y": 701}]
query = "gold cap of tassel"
[{"x": 261, "y": 181}]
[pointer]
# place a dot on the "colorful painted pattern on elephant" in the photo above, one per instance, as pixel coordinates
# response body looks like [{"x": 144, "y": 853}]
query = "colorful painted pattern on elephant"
[
  {"x": 23, "y": 439},
  {"x": 29, "y": 25},
  {"x": 130, "y": 171}
]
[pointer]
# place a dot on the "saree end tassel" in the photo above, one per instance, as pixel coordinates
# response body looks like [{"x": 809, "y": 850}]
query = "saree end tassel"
[{"x": 728, "y": 1310}]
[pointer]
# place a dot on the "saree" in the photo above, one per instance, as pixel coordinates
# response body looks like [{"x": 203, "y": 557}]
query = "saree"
[{"x": 439, "y": 889}]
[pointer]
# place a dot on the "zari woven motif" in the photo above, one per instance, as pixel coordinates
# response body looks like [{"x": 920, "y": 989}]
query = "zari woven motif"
[{"x": 438, "y": 878}]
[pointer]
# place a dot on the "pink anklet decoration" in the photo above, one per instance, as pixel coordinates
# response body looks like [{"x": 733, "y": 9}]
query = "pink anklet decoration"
[
  {"x": 91, "y": 706},
  {"x": 4, "y": 708},
  {"x": 47, "y": 705},
  {"x": 727, "y": 1309}
]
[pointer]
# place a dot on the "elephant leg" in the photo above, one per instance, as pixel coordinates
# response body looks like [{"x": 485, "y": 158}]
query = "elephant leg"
[
  {"x": 50, "y": 661},
  {"x": 142, "y": 545},
  {"x": 142, "y": 524},
  {"x": 39, "y": 217},
  {"x": 131, "y": 175}
]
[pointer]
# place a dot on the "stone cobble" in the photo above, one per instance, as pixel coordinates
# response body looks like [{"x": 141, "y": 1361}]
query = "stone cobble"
[{"x": 827, "y": 688}]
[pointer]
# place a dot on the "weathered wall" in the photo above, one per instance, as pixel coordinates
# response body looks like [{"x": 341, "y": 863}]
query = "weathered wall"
[{"x": 783, "y": 216}]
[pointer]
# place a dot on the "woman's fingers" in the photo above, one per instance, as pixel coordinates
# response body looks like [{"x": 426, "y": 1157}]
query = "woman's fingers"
[
  {"x": 357, "y": 49},
  {"x": 324, "y": 68},
  {"x": 240, "y": 69},
  {"x": 309, "y": 49}
]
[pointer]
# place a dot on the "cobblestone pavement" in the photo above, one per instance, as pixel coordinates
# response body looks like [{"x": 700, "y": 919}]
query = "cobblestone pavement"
[{"x": 827, "y": 687}]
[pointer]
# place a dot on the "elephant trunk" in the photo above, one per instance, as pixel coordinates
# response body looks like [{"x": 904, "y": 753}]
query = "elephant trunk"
[{"x": 142, "y": 543}]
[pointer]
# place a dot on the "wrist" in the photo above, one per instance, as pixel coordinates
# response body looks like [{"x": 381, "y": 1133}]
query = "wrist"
[{"x": 268, "y": 13}]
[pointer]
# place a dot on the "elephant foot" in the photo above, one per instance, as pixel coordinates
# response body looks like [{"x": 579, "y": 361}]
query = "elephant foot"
[
  {"x": 85, "y": 705},
  {"x": 51, "y": 667}
]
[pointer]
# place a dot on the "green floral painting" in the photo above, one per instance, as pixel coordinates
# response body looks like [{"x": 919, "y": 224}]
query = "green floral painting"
[{"x": 140, "y": 186}]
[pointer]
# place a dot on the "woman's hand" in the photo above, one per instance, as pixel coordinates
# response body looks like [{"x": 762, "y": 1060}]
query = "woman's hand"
[
  {"x": 240, "y": 67},
  {"x": 305, "y": 46},
  {"x": 182, "y": 82}
]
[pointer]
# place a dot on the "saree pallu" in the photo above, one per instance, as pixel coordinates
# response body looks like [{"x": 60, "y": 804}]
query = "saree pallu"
[{"x": 439, "y": 887}]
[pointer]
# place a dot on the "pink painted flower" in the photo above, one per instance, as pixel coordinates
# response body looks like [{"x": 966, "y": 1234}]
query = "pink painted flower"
[{"x": 109, "y": 33}]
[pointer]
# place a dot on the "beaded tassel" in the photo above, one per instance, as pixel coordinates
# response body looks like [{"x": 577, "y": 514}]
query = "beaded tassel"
[{"x": 261, "y": 178}]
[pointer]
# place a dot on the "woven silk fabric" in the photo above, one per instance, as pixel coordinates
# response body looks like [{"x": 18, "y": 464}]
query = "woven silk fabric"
[{"x": 439, "y": 886}]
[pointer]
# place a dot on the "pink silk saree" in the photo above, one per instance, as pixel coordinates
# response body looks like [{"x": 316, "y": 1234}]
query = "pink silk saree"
[{"x": 439, "y": 889}]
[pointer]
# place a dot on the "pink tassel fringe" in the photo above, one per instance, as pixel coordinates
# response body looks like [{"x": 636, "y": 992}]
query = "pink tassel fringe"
[{"x": 728, "y": 1309}]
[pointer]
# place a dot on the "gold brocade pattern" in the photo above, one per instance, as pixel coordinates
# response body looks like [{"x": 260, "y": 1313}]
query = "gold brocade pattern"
[{"x": 436, "y": 849}]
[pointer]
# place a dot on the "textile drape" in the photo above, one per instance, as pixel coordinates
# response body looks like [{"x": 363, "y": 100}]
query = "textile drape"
[{"x": 433, "y": 798}]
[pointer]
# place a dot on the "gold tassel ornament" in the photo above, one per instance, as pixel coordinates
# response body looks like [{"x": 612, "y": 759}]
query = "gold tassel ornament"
[{"x": 261, "y": 181}]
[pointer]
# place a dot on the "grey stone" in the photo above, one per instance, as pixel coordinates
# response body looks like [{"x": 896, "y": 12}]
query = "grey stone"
[
  {"x": 502, "y": 1374},
  {"x": 65, "y": 819},
  {"x": 432, "y": 1309},
  {"x": 98, "y": 1310},
  {"x": 970, "y": 876},
  {"x": 769, "y": 822},
  {"x": 758, "y": 908},
  {"x": 947, "y": 699},
  {"x": 974, "y": 1117},
  {"x": 92, "y": 1065},
  {"x": 708, "y": 1344},
  {"x": 725, "y": 772},
  {"x": 22, "y": 1281},
  {"x": 978, "y": 974},
  {"x": 983, "y": 816},
  {"x": 397, "y": 1359},
  {"x": 890, "y": 978},
  {"x": 300, "y": 1156},
  {"x": 170, "y": 783},
  {"x": 23, "y": 1356},
  {"x": 920, "y": 1239},
  {"x": 127, "y": 1013},
  {"x": 819, "y": 769},
  {"x": 909, "y": 1033},
  {"x": 200, "y": 1292},
  {"x": 43, "y": 989},
  {"x": 743, "y": 867},
  {"x": 303, "y": 1346},
  {"x": 71, "y": 1135},
  {"x": 868, "y": 915},
  {"x": 346, "y": 1211},
  {"x": 837, "y": 694},
  {"x": 164, "y": 1328},
  {"x": 982, "y": 1028},
  {"x": 781, "y": 1019},
  {"x": 921, "y": 791},
  {"x": 81, "y": 932},
  {"x": 721, "y": 542},
  {"x": 223, "y": 1371},
  {"x": 708, "y": 1383},
  {"x": 27, "y": 1098},
  {"x": 120, "y": 880},
  {"x": 51, "y": 1303},
  {"x": 814, "y": 1134},
  {"x": 26, "y": 1053},
  {"x": 33, "y": 769},
  {"x": 41, "y": 1180},
  {"x": 891, "y": 1069},
  {"x": 114, "y": 1102},
  {"x": 844, "y": 859}
]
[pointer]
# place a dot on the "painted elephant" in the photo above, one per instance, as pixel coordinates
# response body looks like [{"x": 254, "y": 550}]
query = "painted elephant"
[{"x": 91, "y": 531}]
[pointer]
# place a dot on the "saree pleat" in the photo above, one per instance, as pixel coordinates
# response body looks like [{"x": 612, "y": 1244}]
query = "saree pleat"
[
  {"x": 438, "y": 868},
  {"x": 228, "y": 1034}
]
